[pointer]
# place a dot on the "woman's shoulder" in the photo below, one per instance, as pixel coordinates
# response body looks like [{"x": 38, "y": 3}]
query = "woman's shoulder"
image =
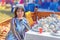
[
  {"x": 25, "y": 20},
  {"x": 12, "y": 20}
]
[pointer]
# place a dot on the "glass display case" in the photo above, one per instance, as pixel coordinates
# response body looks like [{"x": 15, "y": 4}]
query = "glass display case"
[{"x": 48, "y": 24}]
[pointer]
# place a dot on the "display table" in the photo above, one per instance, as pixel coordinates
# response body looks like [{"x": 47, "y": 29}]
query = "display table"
[{"x": 31, "y": 35}]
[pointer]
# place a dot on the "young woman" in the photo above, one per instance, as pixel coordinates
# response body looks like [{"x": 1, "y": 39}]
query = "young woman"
[{"x": 19, "y": 25}]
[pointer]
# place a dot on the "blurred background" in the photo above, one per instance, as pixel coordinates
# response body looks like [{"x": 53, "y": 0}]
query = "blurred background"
[
  {"x": 43, "y": 4},
  {"x": 7, "y": 8}
]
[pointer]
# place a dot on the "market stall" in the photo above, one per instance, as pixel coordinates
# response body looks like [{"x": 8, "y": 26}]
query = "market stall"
[{"x": 46, "y": 28}]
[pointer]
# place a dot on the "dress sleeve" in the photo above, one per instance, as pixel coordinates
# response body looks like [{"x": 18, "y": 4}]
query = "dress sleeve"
[{"x": 26, "y": 23}]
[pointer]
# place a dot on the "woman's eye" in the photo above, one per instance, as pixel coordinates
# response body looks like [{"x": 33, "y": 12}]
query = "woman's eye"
[{"x": 18, "y": 11}]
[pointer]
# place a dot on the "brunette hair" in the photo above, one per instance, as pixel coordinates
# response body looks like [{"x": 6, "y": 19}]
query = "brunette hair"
[{"x": 15, "y": 12}]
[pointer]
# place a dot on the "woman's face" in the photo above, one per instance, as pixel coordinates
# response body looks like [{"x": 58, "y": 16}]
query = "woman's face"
[{"x": 20, "y": 13}]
